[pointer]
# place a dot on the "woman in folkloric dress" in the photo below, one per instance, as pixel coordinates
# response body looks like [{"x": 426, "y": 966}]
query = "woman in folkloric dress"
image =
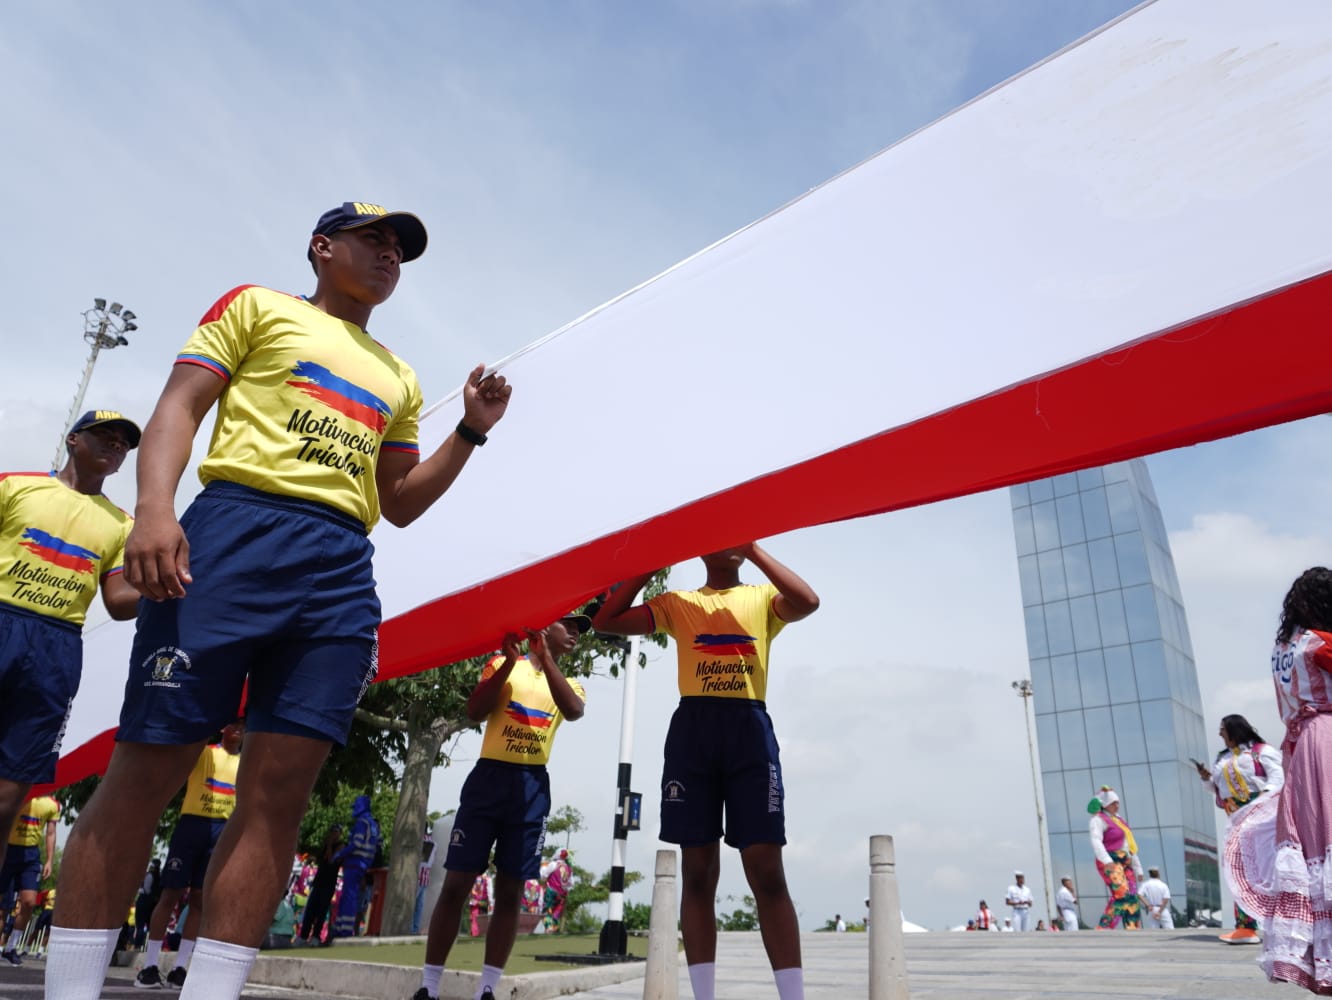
[
  {"x": 1278, "y": 850},
  {"x": 1116, "y": 860},
  {"x": 1244, "y": 770}
]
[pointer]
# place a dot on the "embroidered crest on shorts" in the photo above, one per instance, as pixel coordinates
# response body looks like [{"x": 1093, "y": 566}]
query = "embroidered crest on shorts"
[{"x": 163, "y": 664}]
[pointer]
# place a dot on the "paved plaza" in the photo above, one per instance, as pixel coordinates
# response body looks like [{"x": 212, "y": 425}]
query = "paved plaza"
[{"x": 1179, "y": 965}]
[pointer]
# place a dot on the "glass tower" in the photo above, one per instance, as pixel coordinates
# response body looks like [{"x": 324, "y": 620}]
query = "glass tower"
[{"x": 1116, "y": 693}]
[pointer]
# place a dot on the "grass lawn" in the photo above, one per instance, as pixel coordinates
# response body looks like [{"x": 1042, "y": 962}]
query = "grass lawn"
[{"x": 468, "y": 952}]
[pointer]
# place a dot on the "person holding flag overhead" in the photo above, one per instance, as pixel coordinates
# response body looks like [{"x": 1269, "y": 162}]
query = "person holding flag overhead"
[{"x": 506, "y": 798}]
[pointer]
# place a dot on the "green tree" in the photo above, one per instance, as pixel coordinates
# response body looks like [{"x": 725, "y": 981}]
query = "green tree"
[
  {"x": 565, "y": 820},
  {"x": 743, "y": 919},
  {"x": 586, "y": 889}
]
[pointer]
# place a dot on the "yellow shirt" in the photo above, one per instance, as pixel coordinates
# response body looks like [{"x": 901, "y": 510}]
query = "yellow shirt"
[
  {"x": 310, "y": 400},
  {"x": 210, "y": 790},
  {"x": 30, "y": 824},
  {"x": 721, "y": 638},
  {"x": 522, "y": 728},
  {"x": 56, "y": 545}
]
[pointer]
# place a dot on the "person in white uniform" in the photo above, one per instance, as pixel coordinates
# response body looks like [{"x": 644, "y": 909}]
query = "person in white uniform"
[
  {"x": 1066, "y": 901},
  {"x": 1155, "y": 897},
  {"x": 1019, "y": 900}
]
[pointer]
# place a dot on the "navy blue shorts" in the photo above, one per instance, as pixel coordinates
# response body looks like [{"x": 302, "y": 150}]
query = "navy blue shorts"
[
  {"x": 22, "y": 870},
  {"x": 505, "y": 805},
  {"x": 190, "y": 850},
  {"x": 41, "y": 661},
  {"x": 284, "y": 597},
  {"x": 721, "y": 753}
]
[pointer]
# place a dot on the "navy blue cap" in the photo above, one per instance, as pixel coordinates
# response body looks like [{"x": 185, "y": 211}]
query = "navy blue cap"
[
  {"x": 354, "y": 214},
  {"x": 95, "y": 418}
]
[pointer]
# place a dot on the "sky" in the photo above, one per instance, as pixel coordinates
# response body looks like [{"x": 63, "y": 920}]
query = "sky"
[{"x": 561, "y": 153}]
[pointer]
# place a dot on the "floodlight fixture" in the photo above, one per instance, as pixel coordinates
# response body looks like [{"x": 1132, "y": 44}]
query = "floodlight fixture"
[
  {"x": 99, "y": 304},
  {"x": 115, "y": 309}
]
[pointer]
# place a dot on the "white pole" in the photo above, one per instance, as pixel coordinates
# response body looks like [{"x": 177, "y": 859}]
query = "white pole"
[
  {"x": 613, "y": 936},
  {"x": 661, "y": 977},
  {"x": 59, "y": 460},
  {"x": 887, "y": 956},
  {"x": 1025, "y": 692}
]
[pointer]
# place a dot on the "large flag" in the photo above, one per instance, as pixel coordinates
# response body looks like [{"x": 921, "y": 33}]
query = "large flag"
[{"x": 1124, "y": 249}]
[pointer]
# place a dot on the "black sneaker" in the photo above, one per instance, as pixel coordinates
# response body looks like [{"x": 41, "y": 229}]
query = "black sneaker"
[
  {"x": 487, "y": 994},
  {"x": 11, "y": 956},
  {"x": 149, "y": 978},
  {"x": 421, "y": 994},
  {"x": 176, "y": 977}
]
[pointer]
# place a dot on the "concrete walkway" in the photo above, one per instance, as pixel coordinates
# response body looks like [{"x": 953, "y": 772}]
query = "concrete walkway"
[{"x": 1178, "y": 965}]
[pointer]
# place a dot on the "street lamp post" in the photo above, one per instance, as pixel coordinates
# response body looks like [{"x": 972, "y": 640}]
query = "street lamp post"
[
  {"x": 104, "y": 327},
  {"x": 1024, "y": 691}
]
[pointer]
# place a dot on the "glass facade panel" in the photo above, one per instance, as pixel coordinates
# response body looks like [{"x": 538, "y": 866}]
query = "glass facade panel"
[
  {"x": 1058, "y": 627},
  {"x": 1110, "y": 616},
  {"x": 1140, "y": 610},
  {"x": 1069, "y": 512},
  {"x": 1050, "y": 565},
  {"x": 1104, "y": 566},
  {"x": 1086, "y": 630},
  {"x": 1096, "y": 514},
  {"x": 1149, "y": 669},
  {"x": 1065, "y": 683},
  {"x": 1089, "y": 479},
  {"x": 1132, "y": 559},
  {"x": 1045, "y": 525},
  {"x": 1158, "y": 726},
  {"x": 1072, "y": 740},
  {"x": 1116, "y": 690},
  {"x": 1091, "y": 678},
  {"x": 1077, "y": 571}
]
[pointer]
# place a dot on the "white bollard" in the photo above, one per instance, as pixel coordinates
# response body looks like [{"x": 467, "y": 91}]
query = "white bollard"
[
  {"x": 887, "y": 957},
  {"x": 440, "y": 834},
  {"x": 662, "y": 975}
]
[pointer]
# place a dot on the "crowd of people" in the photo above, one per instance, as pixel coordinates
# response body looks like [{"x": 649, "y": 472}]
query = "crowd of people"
[{"x": 316, "y": 438}]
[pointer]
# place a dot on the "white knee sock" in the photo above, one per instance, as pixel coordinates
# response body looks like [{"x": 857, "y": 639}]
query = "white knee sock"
[
  {"x": 183, "y": 955},
  {"x": 490, "y": 977},
  {"x": 221, "y": 972},
  {"x": 153, "y": 953},
  {"x": 703, "y": 980},
  {"x": 790, "y": 983},
  {"x": 76, "y": 962},
  {"x": 430, "y": 978}
]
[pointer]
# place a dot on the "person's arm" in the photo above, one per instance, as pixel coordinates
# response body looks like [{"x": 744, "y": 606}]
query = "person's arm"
[
  {"x": 795, "y": 598},
  {"x": 566, "y": 698},
  {"x": 1270, "y": 758},
  {"x": 615, "y": 615},
  {"x": 50, "y": 849},
  {"x": 1098, "y": 840},
  {"x": 486, "y": 695},
  {"x": 407, "y": 485},
  {"x": 157, "y": 555},
  {"x": 119, "y": 598}
]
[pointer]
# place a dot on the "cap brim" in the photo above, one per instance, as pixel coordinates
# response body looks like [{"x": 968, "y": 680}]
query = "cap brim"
[
  {"x": 411, "y": 232},
  {"x": 581, "y": 622},
  {"x": 130, "y": 428}
]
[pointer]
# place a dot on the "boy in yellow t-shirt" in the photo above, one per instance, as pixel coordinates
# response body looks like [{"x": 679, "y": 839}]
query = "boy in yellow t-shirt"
[
  {"x": 721, "y": 751},
  {"x": 506, "y": 798},
  {"x": 60, "y": 540},
  {"x": 315, "y": 439}
]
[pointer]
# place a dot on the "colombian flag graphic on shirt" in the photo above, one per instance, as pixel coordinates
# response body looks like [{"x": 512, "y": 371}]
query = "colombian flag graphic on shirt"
[
  {"x": 219, "y": 787},
  {"x": 59, "y": 552},
  {"x": 725, "y": 645},
  {"x": 337, "y": 393},
  {"x": 525, "y": 716}
]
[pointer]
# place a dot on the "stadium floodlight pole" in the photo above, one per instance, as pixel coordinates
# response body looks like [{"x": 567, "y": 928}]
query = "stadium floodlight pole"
[
  {"x": 614, "y": 939},
  {"x": 1025, "y": 692},
  {"x": 104, "y": 327}
]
